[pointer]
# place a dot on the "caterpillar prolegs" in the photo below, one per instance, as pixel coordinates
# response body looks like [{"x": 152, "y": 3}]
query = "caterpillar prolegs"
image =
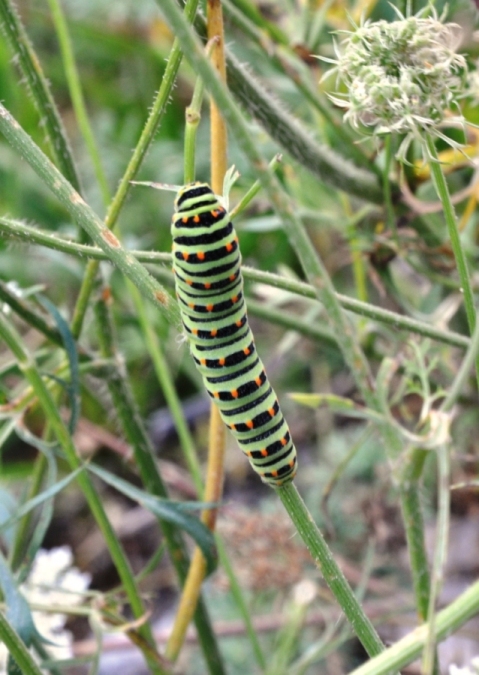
[{"x": 209, "y": 286}]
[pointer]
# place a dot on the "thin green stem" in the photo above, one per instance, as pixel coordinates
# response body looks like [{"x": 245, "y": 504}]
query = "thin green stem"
[
  {"x": 414, "y": 527},
  {"x": 59, "y": 429},
  {"x": 151, "y": 127},
  {"x": 40, "y": 90},
  {"x": 192, "y": 119},
  {"x": 409, "y": 648},
  {"x": 162, "y": 373},
  {"x": 17, "y": 230},
  {"x": 430, "y": 661},
  {"x": 253, "y": 190},
  {"x": 237, "y": 593},
  {"x": 390, "y": 218},
  {"x": 135, "y": 432},
  {"x": 311, "y": 263},
  {"x": 154, "y": 120},
  {"x": 16, "y": 647},
  {"x": 451, "y": 221},
  {"x": 85, "y": 216},
  {"x": 76, "y": 94},
  {"x": 332, "y": 574},
  {"x": 463, "y": 373}
]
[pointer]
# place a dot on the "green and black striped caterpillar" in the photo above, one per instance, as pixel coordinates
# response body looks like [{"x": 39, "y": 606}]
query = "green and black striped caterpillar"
[{"x": 209, "y": 286}]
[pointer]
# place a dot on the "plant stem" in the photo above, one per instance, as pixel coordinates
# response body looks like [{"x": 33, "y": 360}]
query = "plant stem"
[
  {"x": 137, "y": 436},
  {"x": 40, "y": 90},
  {"x": 85, "y": 217},
  {"x": 409, "y": 648},
  {"x": 174, "y": 404},
  {"x": 451, "y": 221},
  {"x": 16, "y": 647},
  {"x": 414, "y": 528},
  {"x": 151, "y": 127},
  {"x": 63, "y": 437},
  {"x": 216, "y": 446},
  {"x": 332, "y": 574},
  {"x": 76, "y": 94},
  {"x": 430, "y": 662},
  {"x": 18, "y": 230}
]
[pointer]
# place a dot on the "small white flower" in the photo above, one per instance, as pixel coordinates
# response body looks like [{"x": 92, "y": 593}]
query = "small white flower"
[
  {"x": 52, "y": 581},
  {"x": 402, "y": 76}
]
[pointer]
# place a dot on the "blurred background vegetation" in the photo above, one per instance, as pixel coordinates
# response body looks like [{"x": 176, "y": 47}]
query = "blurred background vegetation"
[{"x": 121, "y": 50}]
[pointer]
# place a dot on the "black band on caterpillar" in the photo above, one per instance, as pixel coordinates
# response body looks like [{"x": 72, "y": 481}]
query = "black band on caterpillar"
[{"x": 209, "y": 286}]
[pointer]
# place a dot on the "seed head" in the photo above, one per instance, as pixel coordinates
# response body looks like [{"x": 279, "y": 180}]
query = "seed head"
[{"x": 401, "y": 76}]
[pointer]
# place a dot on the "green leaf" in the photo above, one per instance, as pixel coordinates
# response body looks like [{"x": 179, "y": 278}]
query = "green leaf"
[
  {"x": 339, "y": 405},
  {"x": 39, "y": 499},
  {"x": 73, "y": 389},
  {"x": 18, "y": 612},
  {"x": 169, "y": 510}
]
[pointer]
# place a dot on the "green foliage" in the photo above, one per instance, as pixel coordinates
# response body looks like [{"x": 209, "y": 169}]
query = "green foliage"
[{"x": 388, "y": 404}]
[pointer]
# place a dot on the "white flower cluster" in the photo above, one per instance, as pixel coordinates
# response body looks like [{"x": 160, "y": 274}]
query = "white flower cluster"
[
  {"x": 401, "y": 76},
  {"x": 52, "y": 582},
  {"x": 472, "y": 669}
]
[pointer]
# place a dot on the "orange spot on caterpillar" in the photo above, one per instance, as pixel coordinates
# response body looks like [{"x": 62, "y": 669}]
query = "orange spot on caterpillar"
[
  {"x": 184, "y": 220},
  {"x": 292, "y": 463},
  {"x": 195, "y": 331},
  {"x": 232, "y": 427},
  {"x": 216, "y": 394},
  {"x": 264, "y": 452},
  {"x": 232, "y": 277},
  {"x": 214, "y": 332},
  {"x": 239, "y": 323},
  {"x": 196, "y": 219},
  {"x": 284, "y": 440},
  {"x": 200, "y": 255},
  {"x": 210, "y": 308},
  {"x": 222, "y": 361},
  {"x": 229, "y": 247},
  {"x": 203, "y": 362},
  {"x": 250, "y": 424},
  {"x": 246, "y": 351},
  {"x": 248, "y": 453},
  {"x": 189, "y": 282},
  {"x": 185, "y": 255},
  {"x": 234, "y": 299},
  {"x": 271, "y": 412},
  {"x": 274, "y": 473},
  {"x": 258, "y": 381},
  {"x": 234, "y": 393},
  {"x": 191, "y": 305},
  {"x": 208, "y": 285}
]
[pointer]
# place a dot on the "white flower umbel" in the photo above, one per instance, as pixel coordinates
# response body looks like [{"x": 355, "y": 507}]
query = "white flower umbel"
[
  {"x": 402, "y": 76},
  {"x": 52, "y": 582}
]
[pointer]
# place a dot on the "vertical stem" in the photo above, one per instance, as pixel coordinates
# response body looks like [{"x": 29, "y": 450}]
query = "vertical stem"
[
  {"x": 216, "y": 446},
  {"x": 332, "y": 575},
  {"x": 430, "y": 663},
  {"x": 60, "y": 431},
  {"x": 218, "y": 138},
  {"x": 414, "y": 528},
  {"x": 451, "y": 221}
]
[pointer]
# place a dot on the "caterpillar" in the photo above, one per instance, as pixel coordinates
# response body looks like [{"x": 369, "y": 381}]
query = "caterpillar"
[{"x": 209, "y": 288}]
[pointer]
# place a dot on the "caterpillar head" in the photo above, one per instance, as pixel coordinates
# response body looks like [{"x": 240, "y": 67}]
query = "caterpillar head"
[{"x": 194, "y": 196}]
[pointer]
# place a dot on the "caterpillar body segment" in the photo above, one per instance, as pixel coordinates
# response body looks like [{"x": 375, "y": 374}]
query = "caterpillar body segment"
[{"x": 209, "y": 287}]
